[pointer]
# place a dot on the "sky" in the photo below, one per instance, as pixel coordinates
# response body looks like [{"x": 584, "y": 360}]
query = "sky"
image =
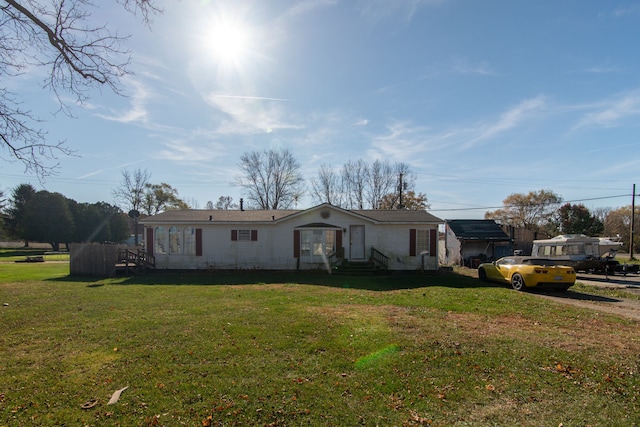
[{"x": 481, "y": 99}]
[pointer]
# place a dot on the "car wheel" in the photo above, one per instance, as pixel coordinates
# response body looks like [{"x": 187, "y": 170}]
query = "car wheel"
[
  {"x": 482, "y": 275},
  {"x": 517, "y": 282}
]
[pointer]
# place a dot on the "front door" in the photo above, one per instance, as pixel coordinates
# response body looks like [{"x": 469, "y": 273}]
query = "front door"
[{"x": 356, "y": 242}]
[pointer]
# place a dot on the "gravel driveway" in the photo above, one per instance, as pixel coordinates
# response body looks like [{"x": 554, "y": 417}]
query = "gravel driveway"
[{"x": 623, "y": 307}]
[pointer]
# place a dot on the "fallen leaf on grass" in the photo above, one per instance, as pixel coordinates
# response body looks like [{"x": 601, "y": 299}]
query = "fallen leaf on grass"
[
  {"x": 89, "y": 404},
  {"x": 415, "y": 417},
  {"x": 116, "y": 396}
]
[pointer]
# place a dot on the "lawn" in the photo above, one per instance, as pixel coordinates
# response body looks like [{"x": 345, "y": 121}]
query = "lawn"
[{"x": 286, "y": 349}]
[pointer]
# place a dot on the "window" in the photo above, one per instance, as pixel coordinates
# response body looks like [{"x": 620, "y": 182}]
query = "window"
[
  {"x": 305, "y": 242},
  {"x": 422, "y": 241},
  {"x": 575, "y": 249},
  {"x": 189, "y": 241},
  {"x": 244, "y": 235},
  {"x": 316, "y": 243},
  {"x": 161, "y": 240},
  {"x": 174, "y": 240}
]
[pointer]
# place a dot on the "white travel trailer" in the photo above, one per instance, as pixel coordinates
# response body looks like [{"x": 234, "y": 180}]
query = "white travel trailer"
[{"x": 582, "y": 252}]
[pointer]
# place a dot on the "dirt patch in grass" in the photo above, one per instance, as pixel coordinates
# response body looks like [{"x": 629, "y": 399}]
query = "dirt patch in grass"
[
  {"x": 575, "y": 335},
  {"x": 586, "y": 332}
]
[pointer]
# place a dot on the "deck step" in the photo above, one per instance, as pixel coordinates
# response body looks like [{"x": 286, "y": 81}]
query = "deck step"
[{"x": 357, "y": 268}]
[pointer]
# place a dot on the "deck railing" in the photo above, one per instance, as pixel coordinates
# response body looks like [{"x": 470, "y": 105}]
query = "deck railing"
[
  {"x": 136, "y": 259},
  {"x": 336, "y": 257},
  {"x": 379, "y": 258}
]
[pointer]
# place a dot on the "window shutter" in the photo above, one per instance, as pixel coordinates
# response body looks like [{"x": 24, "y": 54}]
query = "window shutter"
[
  {"x": 296, "y": 243},
  {"x": 149, "y": 241},
  {"x": 198, "y": 241},
  {"x": 254, "y": 235},
  {"x": 412, "y": 242},
  {"x": 338, "y": 240},
  {"x": 433, "y": 239},
  {"x": 234, "y": 235}
]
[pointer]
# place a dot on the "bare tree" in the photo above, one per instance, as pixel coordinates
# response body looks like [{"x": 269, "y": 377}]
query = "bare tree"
[
  {"x": 327, "y": 187},
  {"x": 359, "y": 185},
  {"x": 271, "y": 179},
  {"x": 225, "y": 203},
  {"x": 381, "y": 180},
  {"x": 131, "y": 192},
  {"x": 399, "y": 184},
  {"x": 56, "y": 35},
  {"x": 354, "y": 178}
]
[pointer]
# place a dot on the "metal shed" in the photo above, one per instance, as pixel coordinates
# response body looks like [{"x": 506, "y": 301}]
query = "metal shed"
[{"x": 472, "y": 241}]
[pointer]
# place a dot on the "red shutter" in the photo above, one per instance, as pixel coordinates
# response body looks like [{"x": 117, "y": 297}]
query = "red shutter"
[
  {"x": 412, "y": 242},
  {"x": 198, "y": 241},
  {"x": 149, "y": 242},
  {"x": 338, "y": 240},
  {"x": 296, "y": 243},
  {"x": 254, "y": 235},
  {"x": 234, "y": 235},
  {"x": 433, "y": 239}
]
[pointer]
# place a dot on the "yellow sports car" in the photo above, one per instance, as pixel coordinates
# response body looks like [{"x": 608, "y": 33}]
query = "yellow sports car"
[{"x": 527, "y": 272}]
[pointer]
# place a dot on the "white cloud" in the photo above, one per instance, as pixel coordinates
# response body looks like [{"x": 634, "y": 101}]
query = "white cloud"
[
  {"x": 403, "y": 142},
  {"x": 306, "y": 6},
  {"x": 137, "y": 111},
  {"x": 622, "y": 11},
  {"x": 199, "y": 146},
  {"x": 613, "y": 112},
  {"x": 508, "y": 120},
  {"x": 378, "y": 10},
  {"x": 464, "y": 66},
  {"x": 247, "y": 115}
]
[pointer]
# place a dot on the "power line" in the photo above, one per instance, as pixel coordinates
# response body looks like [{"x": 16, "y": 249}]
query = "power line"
[{"x": 514, "y": 206}]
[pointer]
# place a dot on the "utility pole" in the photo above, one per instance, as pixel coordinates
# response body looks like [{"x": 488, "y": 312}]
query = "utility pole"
[
  {"x": 633, "y": 220},
  {"x": 400, "y": 187}
]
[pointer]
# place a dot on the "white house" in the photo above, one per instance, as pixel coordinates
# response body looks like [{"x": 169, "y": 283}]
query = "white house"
[{"x": 291, "y": 239}]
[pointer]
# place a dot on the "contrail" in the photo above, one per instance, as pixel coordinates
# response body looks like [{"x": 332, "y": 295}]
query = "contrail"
[{"x": 110, "y": 169}]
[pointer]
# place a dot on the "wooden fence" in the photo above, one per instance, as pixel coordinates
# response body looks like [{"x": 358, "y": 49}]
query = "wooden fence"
[{"x": 93, "y": 259}]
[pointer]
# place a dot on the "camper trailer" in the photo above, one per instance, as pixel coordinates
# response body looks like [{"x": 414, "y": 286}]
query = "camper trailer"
[{"x": 582, "y": 252}]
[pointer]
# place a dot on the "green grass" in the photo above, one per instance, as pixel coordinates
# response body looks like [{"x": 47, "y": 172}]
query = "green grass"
[
  {"x": 253, "y": 348},
  {"x": 12, "y": 255}
]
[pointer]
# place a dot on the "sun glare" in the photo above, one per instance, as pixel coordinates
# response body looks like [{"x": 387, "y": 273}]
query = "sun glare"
[{"x": 228, "y": 41}]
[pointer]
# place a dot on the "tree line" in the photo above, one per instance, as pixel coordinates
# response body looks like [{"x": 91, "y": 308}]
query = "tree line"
[
  {"x": 545, "y": 211},
  {"x": 272, "y": 179},
  {"x": 42, "y": 216}
]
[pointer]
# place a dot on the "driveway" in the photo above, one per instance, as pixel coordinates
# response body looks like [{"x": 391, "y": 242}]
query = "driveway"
[{"x": 620, "y": 306}]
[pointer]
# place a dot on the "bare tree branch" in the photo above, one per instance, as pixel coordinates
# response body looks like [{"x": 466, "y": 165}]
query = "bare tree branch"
[
  {"x": 131, "y": 192},
  {"x": 57, "y": 35},
  {"x": 271, "y": 179}
]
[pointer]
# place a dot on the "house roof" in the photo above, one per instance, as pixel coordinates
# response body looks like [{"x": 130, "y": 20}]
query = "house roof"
[
  {"x": 477, "y": 229},
  {"x": 271, "y": 215}
]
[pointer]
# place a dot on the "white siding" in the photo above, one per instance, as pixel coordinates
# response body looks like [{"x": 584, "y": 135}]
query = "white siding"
[{"x": 274, "y": 248}]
